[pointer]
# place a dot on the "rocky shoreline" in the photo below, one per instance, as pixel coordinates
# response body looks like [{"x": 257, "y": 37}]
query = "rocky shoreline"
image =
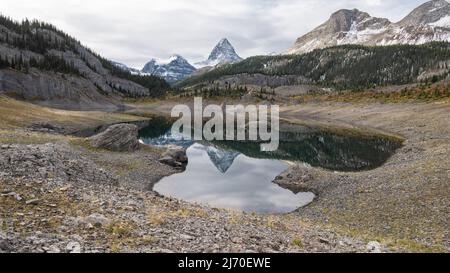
[
  {"x": 55, "y": 198},
  {"x": 58, "y": 193}
]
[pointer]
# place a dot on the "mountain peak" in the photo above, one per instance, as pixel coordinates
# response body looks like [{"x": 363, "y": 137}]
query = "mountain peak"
[
  {"x": 172, "y": 58},
  {"x": 224, "y": 42},
  {"x": 346, "y": 12},
  {"x": 176, "y": 56},
  {"x": 342, "y": 20},
  {"x": 173, "y": 69},
  {"x": 222, "y": 53},
  {"x": 427, "y": 13}
]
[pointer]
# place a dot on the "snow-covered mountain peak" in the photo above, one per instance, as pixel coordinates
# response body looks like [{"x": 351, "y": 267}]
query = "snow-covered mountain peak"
[
  {"x": 224, "y": 43},
  {"x": 171, "y": 59},
  {"x": 222, "y": 53},
  {"x": 173, "y": 69}
]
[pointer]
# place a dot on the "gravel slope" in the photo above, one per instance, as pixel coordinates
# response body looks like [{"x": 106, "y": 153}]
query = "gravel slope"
[{"x": 405, "y": 203}]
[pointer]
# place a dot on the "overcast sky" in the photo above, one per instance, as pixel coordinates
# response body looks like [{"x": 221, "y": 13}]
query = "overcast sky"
[{"x": 134, "y": 31}]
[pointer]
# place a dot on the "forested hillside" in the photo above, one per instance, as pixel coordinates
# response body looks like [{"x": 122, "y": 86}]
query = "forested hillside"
[
  {"x": 39, "y": 51},
  {"x": 343, "y": 67}
]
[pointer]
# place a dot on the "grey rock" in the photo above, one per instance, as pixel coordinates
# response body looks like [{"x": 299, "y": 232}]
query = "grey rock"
[
  {"x": 13, "y": 194},
  {"x": 5, "y": 245},
  {"x": 324, "y": 241},
  {"x": 186, "y": 237},
  {"x": 169, "y": 161},
  {"x": 53, "y": 249},
  {"x": 374, "y": 247},
  {"x": 174, "y": 156},
  {"x": 32, "y": 202},
  {"x": 97, "y": 220},
  {"x": 298, "y": 178},
  {"x": 73, "y": 247},
  {"x": 60, "y": 160},
  {"x": 119, "y": 137},
  {"x": 177, "y": 153}
]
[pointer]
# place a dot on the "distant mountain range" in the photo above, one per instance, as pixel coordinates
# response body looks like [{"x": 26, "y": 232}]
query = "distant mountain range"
[
  {"x": 177, "y": 68},
  {"x": 429, "y": 22},
  {"x": 345, "y": 67}
]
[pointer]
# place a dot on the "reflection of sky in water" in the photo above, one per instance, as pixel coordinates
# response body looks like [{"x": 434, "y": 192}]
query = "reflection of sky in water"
[
  {"x": 168, "y": 139},
  {"x": 246, "y": 185},
  {"x": 237, "y": 175}
]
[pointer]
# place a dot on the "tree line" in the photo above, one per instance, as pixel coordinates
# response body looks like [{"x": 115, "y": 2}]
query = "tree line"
[{"x": 342, "y": 67}]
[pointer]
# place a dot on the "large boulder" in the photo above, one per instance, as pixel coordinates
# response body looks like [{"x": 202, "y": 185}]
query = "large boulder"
[
  {"x": 298, "y": 178},
  {"x": 174, "y": 156},
  {"x": 119, "y": 138}
]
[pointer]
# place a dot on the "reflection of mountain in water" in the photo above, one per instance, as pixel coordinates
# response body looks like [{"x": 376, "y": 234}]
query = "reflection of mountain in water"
[
  {"x": 326, "y": 150},
  {"x": 158, "y": 133},
  {"x": 222, "y": 159},
  {"x": 168, "y": 139},
  {"x": 319, "y": 149}
]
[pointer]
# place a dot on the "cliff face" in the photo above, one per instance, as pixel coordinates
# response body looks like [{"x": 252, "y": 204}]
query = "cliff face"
[
  {"x": 56, "y": 90},
  {"x": 41, "y": 64}
]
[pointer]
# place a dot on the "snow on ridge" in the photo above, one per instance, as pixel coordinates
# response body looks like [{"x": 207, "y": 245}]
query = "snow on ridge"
[
  {"x": 172, "y": 58},
  {"x": 443, "y": 22},
  {"x": 437, "y": 5}
]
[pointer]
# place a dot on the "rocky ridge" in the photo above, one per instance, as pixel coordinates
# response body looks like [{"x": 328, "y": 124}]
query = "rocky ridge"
[{"x": 429, "y": 22}]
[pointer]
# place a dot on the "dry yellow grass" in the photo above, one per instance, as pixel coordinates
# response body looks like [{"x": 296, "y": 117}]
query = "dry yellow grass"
[{"x": 14, "y": 114}]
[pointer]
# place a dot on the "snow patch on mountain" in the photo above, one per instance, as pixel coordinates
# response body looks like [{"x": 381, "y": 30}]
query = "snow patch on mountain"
[
  {"x": 126, "y": 68},
  {"x": 443, "y": 22}
]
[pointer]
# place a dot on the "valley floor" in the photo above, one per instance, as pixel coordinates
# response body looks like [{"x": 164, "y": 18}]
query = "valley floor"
[{"x": 57, "y": 194}]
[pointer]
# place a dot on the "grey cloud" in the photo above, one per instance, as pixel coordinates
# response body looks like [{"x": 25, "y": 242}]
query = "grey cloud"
[{"x": 136, "y": 31}]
